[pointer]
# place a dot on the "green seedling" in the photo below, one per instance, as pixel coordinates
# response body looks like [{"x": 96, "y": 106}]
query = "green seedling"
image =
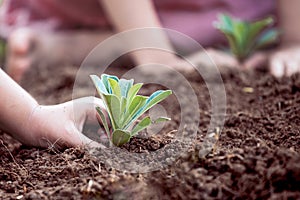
[
  {"x": 125, "y": 107},
  {"x": 246, "y": 37},
  {"x": 2, "y": 50}
]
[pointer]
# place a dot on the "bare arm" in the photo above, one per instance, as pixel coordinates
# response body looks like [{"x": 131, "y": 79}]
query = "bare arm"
[
  {"x": 286, "y": 61},
  {"x": 16, "y": 107},
  {"x": 132, "y": 14},
  {"x": 129, "y": 14},
  {"x": 289, "y": 15}
]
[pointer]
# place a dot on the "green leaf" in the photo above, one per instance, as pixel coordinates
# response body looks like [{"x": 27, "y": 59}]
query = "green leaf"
[
  {"x": 123, "y": 111},
  {"x": 104, "y": 122},
  {"x": 227, "y": 26},
  {"x": 155, "y": 98},
  {"x": 238, "y": 40},
  {"x": 132, "y": 92},
  {"x": 115, "y": 88},
  {"x": 120, "y": 137},
  {"x": 233, "y": 44},
  {"x": 141, "y": 125},
  {"x": 137, "y": 103},
  {"x": 125, "y": 85},
  {"x": 123, "y": 105},
  {"x": 241, "y": 35},
  {"x": 225, "y": 23},
  {"x": 269, "y": 37},
  {"x": 104, "y": 79},
  {"x": 114, "y": 109},
  {"x": 257, "y": 27},
  {"x": 98, "y": 84},
  {"x": 161, "y": 119}
]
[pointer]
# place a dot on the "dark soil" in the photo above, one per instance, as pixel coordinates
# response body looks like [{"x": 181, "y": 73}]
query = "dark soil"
[{"x": 257, "y": 156}]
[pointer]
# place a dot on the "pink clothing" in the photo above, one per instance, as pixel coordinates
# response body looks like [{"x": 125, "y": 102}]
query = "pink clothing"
[{"x": 191, "y": 17}]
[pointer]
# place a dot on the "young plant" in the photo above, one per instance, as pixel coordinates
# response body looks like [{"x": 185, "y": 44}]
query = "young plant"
[
  {"x": 125, "y": 107},
  {"x": 2, "y": 50},
  {"x": 246, "y": 37}
]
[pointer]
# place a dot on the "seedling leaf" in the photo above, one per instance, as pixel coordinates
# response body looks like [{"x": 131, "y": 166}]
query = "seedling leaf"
[
  {"x": 125, "y": 85},
  {"x": 120, "y": 137},
  {"x": 267, "y": 38},
  {"x": 105, "y": 78},
  {"x": 137, "y": 103},
  {"x": 257, "y": 27},
  {"x": 104, "y": 122},
  {"x": 115, "y": 88},
  {"x": 141, "y": 126},
  {"x": 155, "y": 98},
  {"x": 99, "y": 85},
  {"x": 132, "y": 92},
  {"x": 161, "y": 119},
  {"x": 114, "y": 108}
]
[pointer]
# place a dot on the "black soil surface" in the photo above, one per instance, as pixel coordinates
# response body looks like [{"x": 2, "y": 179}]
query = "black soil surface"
[{"x": 257, "y": 156}]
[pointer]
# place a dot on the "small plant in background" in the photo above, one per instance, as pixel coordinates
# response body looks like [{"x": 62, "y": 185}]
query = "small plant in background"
[
  {"x": 246, "y": 37},
  {"x": 125, "y": 107}
]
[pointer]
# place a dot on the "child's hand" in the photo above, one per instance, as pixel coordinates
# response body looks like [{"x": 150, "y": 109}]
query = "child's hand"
[
  {"x": 285, "y": 61},
  {"x": 61, "y": 125},
  {"x": 281, "y": 62}
]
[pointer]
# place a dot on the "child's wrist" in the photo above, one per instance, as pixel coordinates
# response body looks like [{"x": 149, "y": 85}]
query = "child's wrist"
[{"x": 32, "y": 127}]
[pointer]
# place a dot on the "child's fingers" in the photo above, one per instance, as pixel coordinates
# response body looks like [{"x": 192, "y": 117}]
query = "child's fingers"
[
  {"x": 277, "y": 67},
  {"x": 80, "y": 139},
  {"x": 291, "y": 67}
]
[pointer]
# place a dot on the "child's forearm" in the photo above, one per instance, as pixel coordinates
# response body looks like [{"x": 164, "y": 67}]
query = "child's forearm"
[
  {"x": 289, "y": 15},
  {"x": 132, "y": 14},
  {"x": 16, "y": 108}
]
